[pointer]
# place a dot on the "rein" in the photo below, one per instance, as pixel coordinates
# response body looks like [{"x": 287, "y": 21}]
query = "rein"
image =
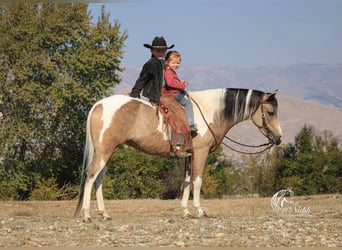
[{"x": 269, "y": 144}]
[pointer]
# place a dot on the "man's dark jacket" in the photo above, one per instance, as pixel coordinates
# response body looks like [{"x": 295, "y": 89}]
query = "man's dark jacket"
[{"x": 150, "y": 80}]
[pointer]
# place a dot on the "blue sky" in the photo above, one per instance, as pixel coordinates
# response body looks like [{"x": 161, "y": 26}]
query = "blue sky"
[{"x": 238, "y": 33}]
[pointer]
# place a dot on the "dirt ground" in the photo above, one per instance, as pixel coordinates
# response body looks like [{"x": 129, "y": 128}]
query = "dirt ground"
[{"x": 232, "y": 222}]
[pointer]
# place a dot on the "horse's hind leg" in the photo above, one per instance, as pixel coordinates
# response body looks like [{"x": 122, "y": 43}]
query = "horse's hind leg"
[
  {"x": 99, "y": 195},
  {"x": 94, "y": 170}
]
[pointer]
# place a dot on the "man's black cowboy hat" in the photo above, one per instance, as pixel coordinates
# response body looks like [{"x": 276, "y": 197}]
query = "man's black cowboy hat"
[{"x": 158, "y": 43}]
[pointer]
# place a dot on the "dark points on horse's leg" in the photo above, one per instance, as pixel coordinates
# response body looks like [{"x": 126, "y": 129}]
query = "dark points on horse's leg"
[
  {"x": 204, "y": 215},
  {"x": 86, "y": 220},
  {"x": 107, "y": 218}
]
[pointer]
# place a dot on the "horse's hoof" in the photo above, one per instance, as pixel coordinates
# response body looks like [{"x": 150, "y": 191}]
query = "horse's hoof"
[
  {"x": 203, "y": 215},
  {"x": 86, "y": 220},
  {"x": 186, "y": 213},
  {"x": 187, "y": 216},
  {"x": 107, "y": 218}
]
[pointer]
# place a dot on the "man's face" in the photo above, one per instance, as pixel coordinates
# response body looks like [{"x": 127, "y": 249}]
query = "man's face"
[{"x": 159, "y": 53}]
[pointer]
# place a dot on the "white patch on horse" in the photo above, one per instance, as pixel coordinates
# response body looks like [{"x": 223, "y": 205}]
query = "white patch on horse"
[
  {"x": 110, "y": 105},
  {"x": 102, "y": 164},
  {"x": 162, "y": 128},
  {"x": 236, "y": 106},
  {"x": 197, "y": 186},
  {"x": 279, "y": 129},
  {"x": 209, "y": 107},
  {"x": 248, "y": 100}
]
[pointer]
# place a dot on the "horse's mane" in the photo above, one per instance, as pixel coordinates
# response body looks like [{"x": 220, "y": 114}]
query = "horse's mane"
[
  {"x": 241, "y": 103},
  {"x": 236, "y": 104}
]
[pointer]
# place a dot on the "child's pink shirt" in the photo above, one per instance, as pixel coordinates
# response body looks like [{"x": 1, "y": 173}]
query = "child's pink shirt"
[{"x": 172, "y": 82}]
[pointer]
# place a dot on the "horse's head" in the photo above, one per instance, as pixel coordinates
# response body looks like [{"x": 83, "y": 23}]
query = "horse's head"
[{"x": 266, "y": 119}]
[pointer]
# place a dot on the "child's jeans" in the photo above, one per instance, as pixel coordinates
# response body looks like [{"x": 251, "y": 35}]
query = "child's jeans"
[{"x": 187, "y": 107}]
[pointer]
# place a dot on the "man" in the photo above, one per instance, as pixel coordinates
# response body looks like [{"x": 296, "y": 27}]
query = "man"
[{"x": 151, "y": 77}]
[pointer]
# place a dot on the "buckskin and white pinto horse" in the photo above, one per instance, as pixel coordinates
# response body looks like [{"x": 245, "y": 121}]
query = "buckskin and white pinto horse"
[{"x": 121, "y": 119}]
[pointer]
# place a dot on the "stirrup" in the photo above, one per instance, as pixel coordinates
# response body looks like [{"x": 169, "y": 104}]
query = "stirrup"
[
  {"x": 176, "y": 151},
  {"x": 182, "y": 154}
]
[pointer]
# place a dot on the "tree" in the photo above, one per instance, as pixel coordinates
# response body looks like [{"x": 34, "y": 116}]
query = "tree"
[
  {"x": 312, "y": 165},
  {"x": 260, "y": 171},
  {"x": 134, "y": 174},
  {"x": 219, "y": 176},
  {"x": 54, "y": 64}
]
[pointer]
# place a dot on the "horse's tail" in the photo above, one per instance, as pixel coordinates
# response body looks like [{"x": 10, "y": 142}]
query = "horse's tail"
[{"x": 87, "y": 159}]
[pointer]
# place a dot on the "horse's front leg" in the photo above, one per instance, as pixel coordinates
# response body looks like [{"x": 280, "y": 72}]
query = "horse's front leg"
[
  {"x": 99, "y": 196},
  {"x": 197, "y": 193},
  {"x": 197, "y": 172}
]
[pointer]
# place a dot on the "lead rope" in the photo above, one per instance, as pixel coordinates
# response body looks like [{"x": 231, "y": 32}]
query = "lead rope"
[{"x": 269, "y": 145}]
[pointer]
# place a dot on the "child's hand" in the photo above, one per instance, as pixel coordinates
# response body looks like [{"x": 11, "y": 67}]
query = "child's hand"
[{"x": 185, "y": 83}]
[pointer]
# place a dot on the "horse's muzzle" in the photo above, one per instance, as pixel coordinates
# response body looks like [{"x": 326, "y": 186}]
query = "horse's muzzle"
[{"x": 274, "y": 139}]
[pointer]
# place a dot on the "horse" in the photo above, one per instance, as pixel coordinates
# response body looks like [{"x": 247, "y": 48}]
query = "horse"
[{"x": 121, "y": 119}]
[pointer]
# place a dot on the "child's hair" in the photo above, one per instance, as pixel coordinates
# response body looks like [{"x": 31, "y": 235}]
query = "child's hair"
[{"x": 173, "y": 54}]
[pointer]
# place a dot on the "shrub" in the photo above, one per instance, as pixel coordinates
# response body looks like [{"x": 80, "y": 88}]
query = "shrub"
[{"x": 46, "y": 189}]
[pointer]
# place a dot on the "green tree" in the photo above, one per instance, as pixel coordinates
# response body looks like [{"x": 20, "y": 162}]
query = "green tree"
[
  {"x": 134, "y": 174},
  {"x": 218, "y": 176},
  {"x": 330, "y": 159},
  {"x": 54, "y": 64},
  {"x": 261, "y": 174},
  {"x": 312, "y": 165}
]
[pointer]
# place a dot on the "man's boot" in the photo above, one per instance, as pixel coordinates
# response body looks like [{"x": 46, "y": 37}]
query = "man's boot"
[{"x": 177, "y": 151}]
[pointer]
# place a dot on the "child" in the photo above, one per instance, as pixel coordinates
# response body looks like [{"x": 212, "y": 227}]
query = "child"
[
  {"x": 174, "y": 85},
  {"x": 151, "y": 78}
]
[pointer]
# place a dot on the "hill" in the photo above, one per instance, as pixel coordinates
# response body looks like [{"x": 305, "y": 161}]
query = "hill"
[
  {"x": 309, "y": 94},
  {"x": 321, "y": 83},
  {"x": 293, "y": 114}
]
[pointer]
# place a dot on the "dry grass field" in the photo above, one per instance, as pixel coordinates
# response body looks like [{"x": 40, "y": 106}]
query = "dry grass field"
[{"x": 231, "y": 222}]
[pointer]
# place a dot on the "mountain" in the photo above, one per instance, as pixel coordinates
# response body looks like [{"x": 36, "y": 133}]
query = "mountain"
[
  {"x": 293, "y": 114},
  {"x": 321, "y": 83},
  {"x": 308, "y": 94}
]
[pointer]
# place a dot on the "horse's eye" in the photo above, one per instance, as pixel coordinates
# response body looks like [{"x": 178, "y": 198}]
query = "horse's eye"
[{"x": 270, "y": 113}]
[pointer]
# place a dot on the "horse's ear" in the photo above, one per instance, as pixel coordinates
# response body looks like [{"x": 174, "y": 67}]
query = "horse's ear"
[{"x": 269, "y": 97}]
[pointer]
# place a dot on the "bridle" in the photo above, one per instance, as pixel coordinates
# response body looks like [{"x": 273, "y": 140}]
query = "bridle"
[{"x": 264, "y": 126}]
